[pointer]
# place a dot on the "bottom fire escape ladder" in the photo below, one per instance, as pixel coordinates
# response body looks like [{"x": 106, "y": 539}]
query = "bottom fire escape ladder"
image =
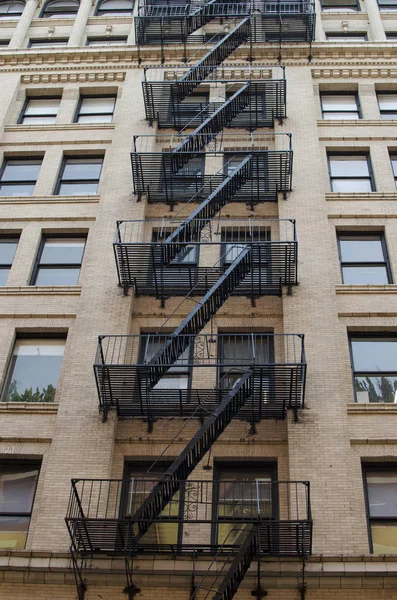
[
  {"x": 167, "y": 486},
  {"x": 241, "y": 559}
]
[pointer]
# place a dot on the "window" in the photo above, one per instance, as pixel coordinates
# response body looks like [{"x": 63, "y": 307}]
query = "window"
[
  {"x": 59, "y": 261},
  {"x": 178, "y": 376},
  {"x": 391, "y": 35},
  {"x": 239, "y": 490},
  {"x": 374, "y": 359},
  {"x": 387, "y": 5},
  {"x": 340, "y": 106},
  {"x": 44, "y": 43},
  {"x": 380, "y": 487},
  {"x": 34, "y": 370},
  {"x": 95, "y": 109},
  {"x": 18, "y": 483},
  {"x": 347, "y": 37},
  {"x": 4, "y": 43},
  {"x": 79, "y": 176},
  {"x": 363, "y": 258},
  {"x": 19, "y": 176},
  {"x": 8, "y": 247},
  {"x": 387, "y": 105},
  {"x": 237, "y": 351},
  {"x": 40, "y": 110},
  {"x": 107, "y": 8},
  {"x": 139, "y": 484},
  {"x": 60, "y": 9},
  {"x": 350, "y": 173},
  {"x": 109, "y": 41},
  {"x": 11, "y": 9},
  {"x": 340, "y": 5}
]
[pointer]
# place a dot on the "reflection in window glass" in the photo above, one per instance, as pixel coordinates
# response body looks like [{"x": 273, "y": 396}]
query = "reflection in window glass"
[
  {"x": 109, "y": 41},
  {"x": 177, "y": 376},
  {"x": 11, "y": 9},
  {"x": 339, "y": 5},
  {"x": 19, "y": 176},
  {"x": 350, "y": 173},
  {"x": 80, "y": 176},
  {"x": 47, "y": 43},
  {"x": 17, "y": 490},
  {"x": 60, "y": 9},
  {"x": 387, "y": 106},
  {"x": 60, "y": 262},
  {"x": 40, "y": 111},
  {"x": 387, "y": 5},
  {"x": 349, "y": 37},
  {"x": 375, "y": 369},
  {"x": 382, "y": 504},
  {"x": 114, "y": 7},
  {"x": 34, "y": 370},
  {"x": 364, "y": 259}
]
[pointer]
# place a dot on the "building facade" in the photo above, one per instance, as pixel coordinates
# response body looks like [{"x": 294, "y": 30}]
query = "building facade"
[{"x": 198, "y": 236}]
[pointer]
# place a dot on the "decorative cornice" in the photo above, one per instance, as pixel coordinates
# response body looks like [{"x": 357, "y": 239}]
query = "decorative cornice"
[
  {"x": 355, "y": 138},
  {"x": 366, "y": 289},
  {"x": 371, "y": 409},
  {"x": 362, "y": 72},
  {"x": 360, "y": 197},
  {"x": 366, "y": 315},
  {"x": 37, "y": 316},
  {"x": 90, "y": 77},
  {"x": 374, "y": 441},
  {"x": 50, "y": 200},
  {"x": 362, "y": 216}
]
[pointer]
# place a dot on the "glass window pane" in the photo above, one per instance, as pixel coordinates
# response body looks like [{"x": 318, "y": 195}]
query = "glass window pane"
[
  {"x": 349, "y": 166},
  {"x": 387, "y": 101},
  {"x": 57, "y": 276},
  {"x": 384, "y": 538},
  {"x": 34, "y": 371},
  {"x": 361, "y": 249},
  {"x": 43, "y": 106},
  {"x": 61, "y": 251},
  {"x": 17, "y": 488},
  {"x": 341, "y": 115},
  {"x": 13, "y": 532},
  {"x": 97, "y": 105},
  {"x": 95, "y": 118},
  {"x": 77, "y": 189},
  {"x": 382, "y": 493},
  {"x": 76, "y": 168},
  {"x": 38, "y": 120},
  {"x": 365, "y": 275},
  {"x": 4, "y": 276},
  {"x": 7, "y": 251},
  {"x": 16, "y": 190},
  {"x": 21, "y": 170},
  {"x": 351, "y": 185},
  {"x": 115, "y": 5},
  {"x": 47, "y": 43},
  {"x": 376, "y": 389},
  {"x": 394, "y": 165},
  {"x": 342, "y": 102},
  {"x": 375, "y": 354}
]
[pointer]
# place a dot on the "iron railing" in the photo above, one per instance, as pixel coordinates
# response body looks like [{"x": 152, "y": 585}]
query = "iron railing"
[
  {"x": 142, "y": 255},
  {"x": 123, "y": 374},
  {"x": 103, "y": 516}
]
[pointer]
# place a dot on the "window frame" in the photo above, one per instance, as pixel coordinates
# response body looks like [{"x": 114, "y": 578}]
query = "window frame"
[
  {"x": 386, "y": 262},
  {"x": 119, "y": 12},
  {"x": 332, "y": 35},
  {"x": 6, "y": 160},
  {"x": 10, "y": 237},
  {"x": 61, "y": 171},
  {"x": 121, "y": 39},
  {"x": 44, "y": 239},
  {"x": 69, "y": 14},
  {"x": 26, "y": 104},
  {"x": 35, "y": 335},
  {"x": 388, "y": 8},
  {"x": 272, "y": 469},
  {"x": 80, "y": 104},
  {"x": 46, "y": 43},
  {"x": 386, "y": 111},
  {"x": 370, "y": 176},
  {"x": 356, "y": 335},
  {"x": 366, "y": 468},
  {"x": 9, "y": 16},
  {"x": 344, "y": 93},
  {"x": 341, "y": 8},
  {"x": 28, "y": 463}
]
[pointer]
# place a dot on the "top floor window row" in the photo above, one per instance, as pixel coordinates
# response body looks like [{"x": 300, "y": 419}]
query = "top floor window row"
[
  {"x": 346, "y": 105},
  {"x": 90, "y": 109},
  {"x": 63, "y": 9}
]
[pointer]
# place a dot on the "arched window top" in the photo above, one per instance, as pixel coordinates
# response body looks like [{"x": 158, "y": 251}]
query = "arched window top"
[
  {"x": 60, "y": 9},
  {"x": 11, "y": 9},
  {"x": 114, "y": 7}
]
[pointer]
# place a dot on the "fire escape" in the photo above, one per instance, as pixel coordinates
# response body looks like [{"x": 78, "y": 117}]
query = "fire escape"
[{"x": 136, "y": 374}]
